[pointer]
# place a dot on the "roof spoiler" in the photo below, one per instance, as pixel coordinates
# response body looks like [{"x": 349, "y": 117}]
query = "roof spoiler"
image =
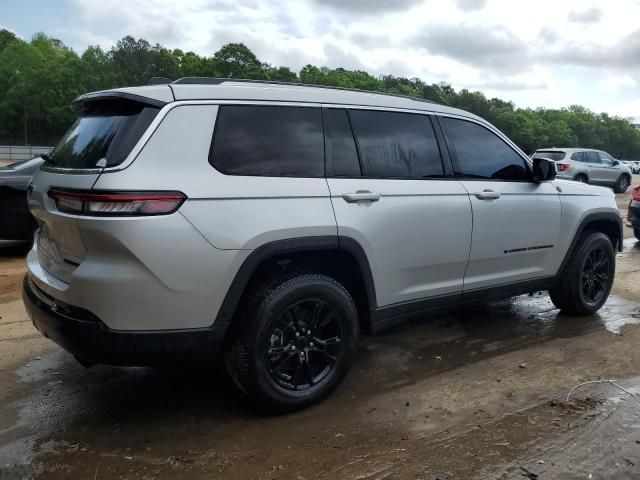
[{"x": 76, "y": 105}]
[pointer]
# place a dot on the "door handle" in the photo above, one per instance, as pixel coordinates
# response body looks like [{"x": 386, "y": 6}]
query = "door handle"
[
  {"x": 487, "y": 195},
  {"x": 361, "y": 196}
]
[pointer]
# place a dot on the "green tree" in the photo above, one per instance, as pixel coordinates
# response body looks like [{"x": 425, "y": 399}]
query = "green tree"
[
  {"x": 235, "y": 60},
  {"x": 40, "y": 78}
]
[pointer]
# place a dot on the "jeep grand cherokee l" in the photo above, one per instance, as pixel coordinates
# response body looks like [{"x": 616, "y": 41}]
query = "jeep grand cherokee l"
[{"x": 276, "y": 222}]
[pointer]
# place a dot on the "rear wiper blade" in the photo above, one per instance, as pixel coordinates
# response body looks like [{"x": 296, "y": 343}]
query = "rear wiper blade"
[{"x": 48, "y": 158}]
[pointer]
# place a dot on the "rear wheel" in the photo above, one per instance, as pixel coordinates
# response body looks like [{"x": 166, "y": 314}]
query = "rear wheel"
[
  {"x": 586, "y": 280},
  {"x": 295, "y": 343},
  {"x": 622, "y": 184},
  {"x": 581, "y": 177}
]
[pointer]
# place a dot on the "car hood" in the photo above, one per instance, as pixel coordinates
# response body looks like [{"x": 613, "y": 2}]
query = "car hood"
[{"x": 570, "y": 187}]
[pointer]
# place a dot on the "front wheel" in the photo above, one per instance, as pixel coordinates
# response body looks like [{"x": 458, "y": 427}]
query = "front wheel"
[
  {"x": 586, "y": 281},
  {"x": 636, "y": 232},
  {"x": 622, "y": 184},
  {"x": 295, "y": 342}
]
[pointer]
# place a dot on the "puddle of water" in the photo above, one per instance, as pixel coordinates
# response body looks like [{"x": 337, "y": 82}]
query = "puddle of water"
[{"x": 606, "y": 446}]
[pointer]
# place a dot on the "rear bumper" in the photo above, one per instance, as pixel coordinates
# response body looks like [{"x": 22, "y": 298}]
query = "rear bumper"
[
  {"x": 85, "y": 336},
  {"x": 564, "y": 176}
]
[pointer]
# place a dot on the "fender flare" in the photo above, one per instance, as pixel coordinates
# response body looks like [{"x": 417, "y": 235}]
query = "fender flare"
[
  {"x": 591, "y": 217},
  {"x": 282, "y": 247}
]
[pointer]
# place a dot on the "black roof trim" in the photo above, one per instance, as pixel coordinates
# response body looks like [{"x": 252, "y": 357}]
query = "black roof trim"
[
  {"x": 89, "y": 97},
  {"x": 218, "y": 81},
  {"x": 160, "y": 81}
]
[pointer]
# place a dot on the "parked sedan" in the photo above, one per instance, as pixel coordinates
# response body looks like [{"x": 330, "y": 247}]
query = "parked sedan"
[
  {"x": 589, "y": 166},
  {"x": 16, "y": 222}
]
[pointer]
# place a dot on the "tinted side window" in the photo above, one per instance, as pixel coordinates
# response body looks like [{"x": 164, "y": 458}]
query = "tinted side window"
[
  {"x": 400, "y": 145},
  {"x": 480, "y": 153},
  {"x": 592, "y": 157},
  {"x": 578, "y": 157},
  {"x": 269, "y": 140},
  {"x": 341, "y": 152}
]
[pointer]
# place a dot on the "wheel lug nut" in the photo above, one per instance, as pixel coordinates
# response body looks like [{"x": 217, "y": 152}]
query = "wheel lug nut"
[
  {"x": 293, "y": 348},
  {"x": 311, "y": 344},
  {"x": 301, "y": 354},
  {"x": 297, "y": 334},
  {"x": 308, "y": 332}
]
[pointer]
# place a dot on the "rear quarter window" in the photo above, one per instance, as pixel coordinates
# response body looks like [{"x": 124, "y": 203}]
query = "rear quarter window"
[
  {"x": 268, "y": 141},
  {"x": 578, "y": 157}
]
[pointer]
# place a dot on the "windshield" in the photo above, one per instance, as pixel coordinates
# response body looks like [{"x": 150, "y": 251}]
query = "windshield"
[
  {"x": 106, "y": 129},
  {"x": 550, "y": 154}
]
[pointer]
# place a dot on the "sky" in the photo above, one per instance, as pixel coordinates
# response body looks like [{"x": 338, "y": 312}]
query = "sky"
[{"x": 542, "y": 53}]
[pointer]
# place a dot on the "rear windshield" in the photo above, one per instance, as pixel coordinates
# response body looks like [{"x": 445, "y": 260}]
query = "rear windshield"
[
  {"x": 105, "y": 129},
  {"x": 552, "y": 155}
]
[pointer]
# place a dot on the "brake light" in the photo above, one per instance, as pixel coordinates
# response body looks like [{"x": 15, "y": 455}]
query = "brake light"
[
  {"x": 115, "y": 204},
  {"x": 635, "y": 193},
  {"x": 562, "y": 166}
]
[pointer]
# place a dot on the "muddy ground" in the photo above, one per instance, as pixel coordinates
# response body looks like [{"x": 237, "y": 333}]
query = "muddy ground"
[{"x": 478, "y": 393}]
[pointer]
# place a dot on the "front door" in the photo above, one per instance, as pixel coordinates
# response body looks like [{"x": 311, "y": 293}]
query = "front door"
[
  {"x": 610, "y": 173},
  {"x": 516, "y": 222}
]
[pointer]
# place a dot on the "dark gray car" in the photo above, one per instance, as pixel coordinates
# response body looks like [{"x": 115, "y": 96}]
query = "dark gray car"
[{"x": 16, "y": 222}]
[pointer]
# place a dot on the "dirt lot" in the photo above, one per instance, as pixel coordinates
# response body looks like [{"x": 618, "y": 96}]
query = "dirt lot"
[{"x": 478, "y": 393}]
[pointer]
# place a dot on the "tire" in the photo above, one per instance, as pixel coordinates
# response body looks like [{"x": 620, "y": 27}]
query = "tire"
[
  {"x": 581, "y": 177},
  {"x": 622, "y": 184},
  {"x": 636, "y": 232},
  {"x": 278, "y": 370},
  {"x": 572, "y": 294}
]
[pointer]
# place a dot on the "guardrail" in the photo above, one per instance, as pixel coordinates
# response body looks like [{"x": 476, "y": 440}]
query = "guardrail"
[{"x": 15, "y": 153}]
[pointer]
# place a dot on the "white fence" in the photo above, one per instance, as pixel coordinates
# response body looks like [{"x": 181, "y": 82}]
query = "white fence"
[{"x": 15, "y": 153}]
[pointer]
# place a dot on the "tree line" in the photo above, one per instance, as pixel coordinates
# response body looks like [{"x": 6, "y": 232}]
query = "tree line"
[{"x": 40, "y": 78}]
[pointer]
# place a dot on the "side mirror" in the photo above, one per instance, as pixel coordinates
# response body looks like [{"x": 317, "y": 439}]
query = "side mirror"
[
  {"x": 544, "y": 170},
  {"x": 615, "y": 163}
]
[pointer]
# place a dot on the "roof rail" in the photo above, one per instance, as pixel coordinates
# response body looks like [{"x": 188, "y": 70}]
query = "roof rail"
[
  {"x": 218, "y": 81},
  {"x": 159, "y": 81}
]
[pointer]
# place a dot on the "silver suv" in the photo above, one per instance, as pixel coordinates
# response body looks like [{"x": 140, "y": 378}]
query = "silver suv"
[
  {"x": 589, "y": 166},
  {"x": 274, "y": 223}
]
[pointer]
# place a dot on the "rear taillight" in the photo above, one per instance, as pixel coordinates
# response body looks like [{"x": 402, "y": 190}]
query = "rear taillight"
[
  {"x": 635, "y": 194},
  {"x": 116, "y": 204},
  {"x": 562, "y": 166}
]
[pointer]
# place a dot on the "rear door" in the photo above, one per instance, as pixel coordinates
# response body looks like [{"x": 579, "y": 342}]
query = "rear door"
[
  {"x": 597, "y": 172},
  {"x": 391, "y": 193},
  {"x": 103, "y": 135},
  {"x": 516, "y": 222}
]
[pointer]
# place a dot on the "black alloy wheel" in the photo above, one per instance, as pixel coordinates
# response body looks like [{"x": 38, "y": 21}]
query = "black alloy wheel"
[
  {"x": 304, "y": 344},
  {"x": 596, "y": 276}
]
